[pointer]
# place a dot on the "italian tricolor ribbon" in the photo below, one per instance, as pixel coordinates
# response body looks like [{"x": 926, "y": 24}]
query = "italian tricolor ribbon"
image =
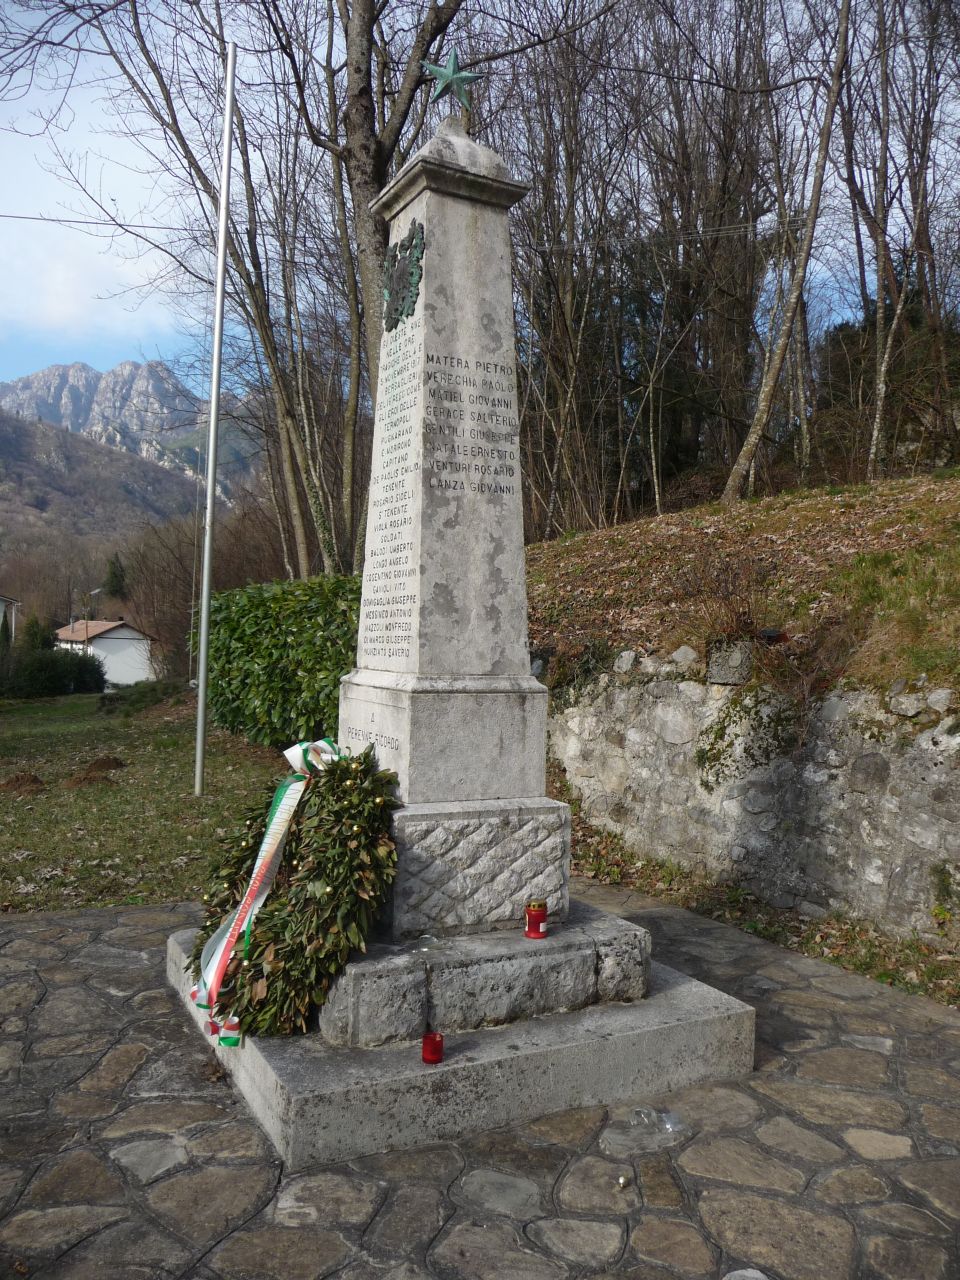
[{"x": 308, "y": 761}]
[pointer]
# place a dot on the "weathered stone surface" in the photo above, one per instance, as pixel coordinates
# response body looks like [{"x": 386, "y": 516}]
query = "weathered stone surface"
[
  {"x": 236, "y": 1140},
  {"x": 937, "y": 1181},
  {"x": 657, "y": 1182},
  {"x": 674, "y": 1242},
  {"x": 115, "y": 1068},
  {"x": 36, "y": 953},
  {"x": 730, "y": 663},
  {"x": 490, "y": 1191},
  {"x": 409, "y": 1220},
  {"x": 591, "y": 1185},
  {"x": 796, "y": 1242},
  {"x": 874, "y": 1144},
  {"x": 275, "y": 1253},
  {"x": 132, "y": 1250},
  {"x": 84, "y": 1106},
  {"x": 69, "y": 1046},
  {"x": 567, "y": 1128},
  {"x": 844, "y": 1066},
  {"x": 202, "y": 1204},
  {"x": 440, "y": 1164},
  {"x": 378, "y": 998},
  {"x": 149, "y": 1158},
  {"x": 18, "y": 995},
  {"x": 712, "y": 1108},
  {"x": 162, "y": 1117},
  {"x": 893, "y": 1259},
  {"x": 732, "y": 1160},
  {"x": 80, "y": 1177},
  {"x": 623, "y": 960},
  {"x": 489, "y": 1251},
  {"x": 505, "y": 1150},
  {"x": 367, "y": 1270},
  {"x": 72, "y": 1010},
  {"x": 624, "y": 661},
  {"x": 824, "y": 1105},
  {"x": 326, "y": 1199},
  {"x": 784, "y": 1135},
  {"x": 49, "y": 1230},
  {"x": 941, "y": 1122},
  {"x": 855, "y": 1185},
  {"x": 578, "y": 1240},
  {"x": 474, "y": 865},
  {"x": 903, "y": 1217},
  {"x": 932, "y": 1082}
]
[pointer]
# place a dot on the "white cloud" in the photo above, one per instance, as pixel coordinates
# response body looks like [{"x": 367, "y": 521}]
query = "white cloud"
[{"x": 57, "y": 280}]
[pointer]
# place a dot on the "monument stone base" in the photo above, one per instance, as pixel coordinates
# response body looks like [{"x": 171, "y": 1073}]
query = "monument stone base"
[
  {"x": 474, "y": 865},
  {"x": 473, "y": 736},
  {"x": 318, "y": 1102},
  {"x": 396, "y": 993}
]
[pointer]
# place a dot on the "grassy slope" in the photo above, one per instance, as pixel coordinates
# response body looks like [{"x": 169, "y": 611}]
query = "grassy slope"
[
  {"x": 138, "y": 835},
  {"x": 877, "y": 567},
  {"x": 866, "y": 580}
]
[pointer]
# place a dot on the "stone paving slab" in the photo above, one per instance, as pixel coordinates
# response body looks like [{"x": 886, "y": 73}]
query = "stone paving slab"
[{"x": 124, "y": 1153}]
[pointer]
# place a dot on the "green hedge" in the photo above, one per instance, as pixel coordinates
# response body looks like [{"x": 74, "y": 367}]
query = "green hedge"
[
  {"x": 50, "y": 673},
  {"x": 277, "y": 652}
]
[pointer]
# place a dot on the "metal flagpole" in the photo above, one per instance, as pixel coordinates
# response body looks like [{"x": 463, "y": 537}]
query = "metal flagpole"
[{"x": 214, "y": 422}]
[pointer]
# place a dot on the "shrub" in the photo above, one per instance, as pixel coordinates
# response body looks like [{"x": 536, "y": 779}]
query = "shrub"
[
  {"x": 132, "y": 698},
  {"x": 50, "y": 673},
  {"x": 277, "y": 652}
]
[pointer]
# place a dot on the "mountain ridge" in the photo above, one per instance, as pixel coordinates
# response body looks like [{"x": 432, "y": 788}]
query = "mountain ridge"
[
  {"x": 132, "y": 406},
  {"x": 55, "y": 483}
]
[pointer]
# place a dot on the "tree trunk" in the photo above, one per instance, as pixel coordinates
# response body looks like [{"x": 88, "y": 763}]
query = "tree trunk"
[{"x": 768, "y": 386}]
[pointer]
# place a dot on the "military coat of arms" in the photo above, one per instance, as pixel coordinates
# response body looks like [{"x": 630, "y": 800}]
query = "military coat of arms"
[{"x": 402, "y": 273}]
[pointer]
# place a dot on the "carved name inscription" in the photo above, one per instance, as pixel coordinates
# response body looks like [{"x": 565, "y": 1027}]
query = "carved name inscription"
[
  {"x": 390, "y": 578},
  {"x": 470, "y": 430}
]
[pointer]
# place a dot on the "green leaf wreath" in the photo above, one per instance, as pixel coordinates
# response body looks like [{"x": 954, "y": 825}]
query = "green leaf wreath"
[{"x": 337, "y": 866}]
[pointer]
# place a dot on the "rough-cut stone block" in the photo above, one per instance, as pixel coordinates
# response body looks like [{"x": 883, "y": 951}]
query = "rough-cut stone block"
[
  {"x": 317, "y": 1103},
  {"x": 469, "y": 867},
  {"x": 470, "y": 989},
  {"x": 730, "y": 663},
  {"x": 622, "y": 953},
  {"x": 392, "y": 992},
  {"x": 385, "y": 994}
]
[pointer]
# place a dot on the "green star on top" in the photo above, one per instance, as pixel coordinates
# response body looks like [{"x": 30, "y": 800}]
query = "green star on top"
[{"x": 450, "y": 79}]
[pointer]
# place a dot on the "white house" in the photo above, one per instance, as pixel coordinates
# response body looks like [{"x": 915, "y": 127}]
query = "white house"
[
  {"x": 123, "y": 649},
  {"x": 9, "y": 607}
]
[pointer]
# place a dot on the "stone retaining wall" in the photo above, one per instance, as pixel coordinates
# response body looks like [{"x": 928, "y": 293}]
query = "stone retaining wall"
[{"x": 852, "y": 803}]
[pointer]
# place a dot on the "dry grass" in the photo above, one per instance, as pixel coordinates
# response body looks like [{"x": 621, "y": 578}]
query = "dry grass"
[
  {"x": 99, "y": 809},
  {"x": 880, "y": 564}
]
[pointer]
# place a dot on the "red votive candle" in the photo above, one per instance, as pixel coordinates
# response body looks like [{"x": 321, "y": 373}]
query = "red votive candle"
[
  {"x": 536, "y": 917},
  {"x": 432, "y": 1047}
]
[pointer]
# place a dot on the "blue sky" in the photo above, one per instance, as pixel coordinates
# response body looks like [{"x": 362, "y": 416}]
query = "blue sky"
[{"x": 66, "y": 295}]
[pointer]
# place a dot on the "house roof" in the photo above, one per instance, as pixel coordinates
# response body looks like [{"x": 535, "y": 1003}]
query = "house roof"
[
  {"x": 81, "y": 631},
  {"x": 8, "y": 599}
]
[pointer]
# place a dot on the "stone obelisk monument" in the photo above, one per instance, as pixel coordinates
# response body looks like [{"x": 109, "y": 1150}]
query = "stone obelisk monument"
[
  {"x": 442, "y": 686},
  {"x": 443, "y": 690}
]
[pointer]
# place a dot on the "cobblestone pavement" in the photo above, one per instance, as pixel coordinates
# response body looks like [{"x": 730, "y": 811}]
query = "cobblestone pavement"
[{"x": 125, "y": 1155}]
